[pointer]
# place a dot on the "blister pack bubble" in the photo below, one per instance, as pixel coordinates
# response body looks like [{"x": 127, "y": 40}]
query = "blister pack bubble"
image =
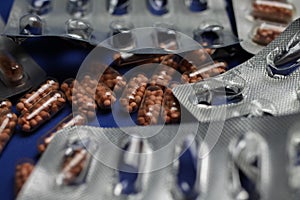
[
  {"x": 93, "y": 21},
  {"x": 267, "y": 84},
  {"x": 18, "y": 71}
]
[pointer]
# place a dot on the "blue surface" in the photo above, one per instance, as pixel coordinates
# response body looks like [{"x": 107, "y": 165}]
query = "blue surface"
[{"x": 60, "y": 59}]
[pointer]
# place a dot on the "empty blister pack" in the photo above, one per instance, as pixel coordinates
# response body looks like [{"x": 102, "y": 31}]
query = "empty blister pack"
[
  {"x": 94, "y": 21},
  {"x": 260, "y": 21},
  {"x": 256, "y": 87},
  {"x": 18, "y": 72}
]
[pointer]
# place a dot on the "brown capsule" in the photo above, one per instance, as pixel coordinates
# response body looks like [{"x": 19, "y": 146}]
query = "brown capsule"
[
  {"x": 81, "y": 101},
  {"x": 281, "y": 12},
  {"x": 148, "y": 113},
  {"x": 266, "y": 33},
  {"x": 31, "y": 98},
  {"x": 39, "y": 114},
  {"x": 133, "y": 93}
]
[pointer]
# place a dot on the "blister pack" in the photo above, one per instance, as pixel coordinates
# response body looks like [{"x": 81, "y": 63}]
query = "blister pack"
[
  {"x": 93, "y": 21},
  {"x": 240, "y": 158},
  {"x": 266, "y": 84},
  {"x": 18, "y": 72},
  {"x": 260, "y": 21}
]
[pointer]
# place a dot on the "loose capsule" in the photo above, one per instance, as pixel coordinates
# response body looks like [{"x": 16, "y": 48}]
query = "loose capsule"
[
  {"x": 23, "y": 171},
  {"x": 5, "y": 105},
  {"x": 42, "y": 112},
  {"x": 29, "y": 99},
  {"x": 104, "y": 97},
  {"x": 133, "y": 94},
  {"x": 81, "y": 101},
  {"x": 149, "y": 111},
  {"x": 204, "y": 73},
  {"x": 11, "y": 72},
  {"x": 69, "y": 121},
  {"x": 8, "y": 122}
]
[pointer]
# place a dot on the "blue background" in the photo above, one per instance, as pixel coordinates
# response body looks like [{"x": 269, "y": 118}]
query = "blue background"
[{"x": 60, "y": 59}]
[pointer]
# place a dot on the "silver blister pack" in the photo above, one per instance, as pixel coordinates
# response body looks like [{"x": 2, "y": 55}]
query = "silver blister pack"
[
  {"x": 93, "y": 21},
  {"x": 243, "y": 159},
  {"x": 266, "y": 84},
  {"x": 257, "y": 28},
  {"x": 102, "y": 179},
  {"x": 18, "y": 71}
]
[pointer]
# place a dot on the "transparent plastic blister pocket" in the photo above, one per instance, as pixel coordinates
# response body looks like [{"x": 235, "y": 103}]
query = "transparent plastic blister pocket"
[
  {"x": 17, "y": 70},
  {"x": 76, "y": 162},
  {"x": 79, "y": 20}
]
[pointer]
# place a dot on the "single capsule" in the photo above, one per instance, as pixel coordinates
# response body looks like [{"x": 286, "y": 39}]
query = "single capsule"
[
  {"x": 133, "y": 94},
  {"x": 274, "y": 11},
  {"x": 78, "y": 96},
  {"x": 29, "y": 99},
  {"x": 150, "y": 108},
  {"x": 265, "y": 33},
  {"x": 42, "y": 111}
]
